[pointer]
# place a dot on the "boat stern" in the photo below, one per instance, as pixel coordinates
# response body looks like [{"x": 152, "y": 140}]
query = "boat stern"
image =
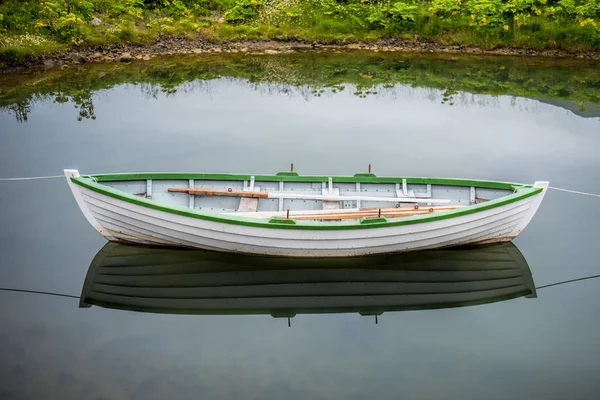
[
  {"x": 76, "y": 190},
  {"x": 534, "y": 206}
]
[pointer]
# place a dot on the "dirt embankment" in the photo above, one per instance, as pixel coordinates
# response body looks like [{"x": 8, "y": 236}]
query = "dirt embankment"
[{"x": 124, "y": 52}]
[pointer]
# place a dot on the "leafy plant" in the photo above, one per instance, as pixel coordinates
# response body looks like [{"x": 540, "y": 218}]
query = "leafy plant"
[
  {"x": 485, "y": 13},
  {"x": 126, "y": 8},
  {"x": 445, "y": 8},
  {"x": 243, "y": 11},
  {"x": 392, "y": 16}
]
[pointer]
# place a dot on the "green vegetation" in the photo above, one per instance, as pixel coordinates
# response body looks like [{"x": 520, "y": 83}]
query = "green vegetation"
[
  {"x": 574, "y": 84},
  {"x": 538, "y": 24}
]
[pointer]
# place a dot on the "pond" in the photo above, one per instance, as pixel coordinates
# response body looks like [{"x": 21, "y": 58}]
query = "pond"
[{"x": 497, "y": 118}]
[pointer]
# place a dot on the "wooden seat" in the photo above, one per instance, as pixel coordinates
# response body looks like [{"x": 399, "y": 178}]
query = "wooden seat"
[{"x": 249, "y": 204}]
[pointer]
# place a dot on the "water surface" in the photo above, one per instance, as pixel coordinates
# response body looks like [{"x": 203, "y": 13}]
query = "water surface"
[{"x": 489, "y": 118}]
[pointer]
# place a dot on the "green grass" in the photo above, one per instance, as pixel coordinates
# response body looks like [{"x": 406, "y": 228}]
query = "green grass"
[
  {"x": 286, "y": 32},
  {"x": 20, "y": 46},
  {"x": 571, "y": 25}
]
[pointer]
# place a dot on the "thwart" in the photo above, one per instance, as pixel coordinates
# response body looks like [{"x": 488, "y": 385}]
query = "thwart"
[{"x": 291, "y": 215}]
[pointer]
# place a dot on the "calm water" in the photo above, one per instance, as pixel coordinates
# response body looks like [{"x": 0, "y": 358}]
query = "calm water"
[{"x": 490, "y": 118}]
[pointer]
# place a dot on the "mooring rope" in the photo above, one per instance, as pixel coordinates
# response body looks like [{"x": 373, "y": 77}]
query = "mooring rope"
[
  {"x": 574, "y": 191},
  {"x": 31, "y": 178},
  {"x": 38, "y": 292},
  {"x": 3, "y": 289},
  {"x": 569, "y": 281}
]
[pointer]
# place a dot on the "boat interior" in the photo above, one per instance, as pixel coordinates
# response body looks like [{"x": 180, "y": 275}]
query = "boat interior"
[{"x": 324, "y": 199}]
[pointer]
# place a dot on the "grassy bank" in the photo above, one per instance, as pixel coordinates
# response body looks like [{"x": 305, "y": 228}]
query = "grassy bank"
[{"x": 37, "y": 27}]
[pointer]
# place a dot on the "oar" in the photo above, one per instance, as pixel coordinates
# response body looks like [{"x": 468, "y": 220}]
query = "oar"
[
  {"x": 317, "y": 214},
  {"x": 296, "y": 196},
  {"x": 329, "y": 217}
]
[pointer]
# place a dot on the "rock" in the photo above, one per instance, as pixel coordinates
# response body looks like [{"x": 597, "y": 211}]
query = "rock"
[
  {"x": 125, "y": 57},
  {"x": 244, "y": 49},
  {"x": 353, "y": 46},
  {"x": 96, "y": 22},
  {"x": 218, "y": 50},
  {"x": 96, "y": 55},
  {"x": 80, "y": 58},
  {"x": 146, "y": 57},
  {"x": 64, "y": 66},
  {"x": 269, "y": 51},
  {"x": 48, "y": 63}
]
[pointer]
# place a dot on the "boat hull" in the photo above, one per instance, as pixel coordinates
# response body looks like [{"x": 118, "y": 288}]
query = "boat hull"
[{"x": 126, "y": 222}]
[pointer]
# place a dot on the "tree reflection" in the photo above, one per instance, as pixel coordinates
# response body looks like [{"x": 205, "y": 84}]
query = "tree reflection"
[
  {"x": 571, "y": 84},
  {"x": 20, "y": 110}
]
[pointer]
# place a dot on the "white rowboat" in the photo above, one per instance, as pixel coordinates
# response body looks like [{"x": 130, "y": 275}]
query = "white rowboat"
[{"x": 303, "y": 216}]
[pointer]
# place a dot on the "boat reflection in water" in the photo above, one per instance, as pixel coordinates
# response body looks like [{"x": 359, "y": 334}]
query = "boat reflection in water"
[{"x": 209, "y": 283}]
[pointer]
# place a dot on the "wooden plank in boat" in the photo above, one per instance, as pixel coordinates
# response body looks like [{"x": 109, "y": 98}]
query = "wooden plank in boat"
[
  {"x": 274, "y": 195},
  {"x": 248, "y": 204},
  {"x": 331, "y": 205},
  {"x": 221, "y": 192},
  {"x": 362, "y": 212}
]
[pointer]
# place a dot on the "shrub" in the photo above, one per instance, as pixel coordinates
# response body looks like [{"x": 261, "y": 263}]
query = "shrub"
[
  {"x": 393, "y": 16},
  {"x": 243, "y": 11},
  {"x": 537, "y": 23}
]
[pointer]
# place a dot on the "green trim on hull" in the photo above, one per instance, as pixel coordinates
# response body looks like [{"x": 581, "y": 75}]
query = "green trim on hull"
[
  {"x": 91, "y": 182},
  {"x": 296, "y": 311}
]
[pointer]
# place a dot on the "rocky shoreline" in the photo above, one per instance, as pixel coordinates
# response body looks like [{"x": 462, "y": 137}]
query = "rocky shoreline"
[{"x": 124, "y": 52}]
